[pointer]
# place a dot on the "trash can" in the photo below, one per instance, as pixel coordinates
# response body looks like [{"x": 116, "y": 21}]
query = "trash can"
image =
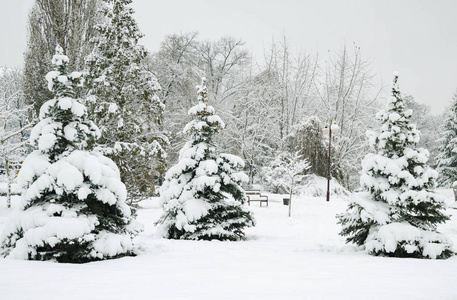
[{"x": 285, "y": 201}]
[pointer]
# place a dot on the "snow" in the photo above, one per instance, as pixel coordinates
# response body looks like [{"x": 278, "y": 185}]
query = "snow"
[
  {"x": 301, "y": 257},
  {"x": 44, "y": 133},
  {"x": 77, "y": 75},
  {"x": 394, "y": 117},
  {"x": 389, "y": 236},
  {"x": 106, "y": 196},
  {"x": 59, "y": 59},
  {"x": 70, "y": 131},
  {"x": 34, "y": 165},
  {"x": 200, "y": 107},
  {"x": 50, "y": 77},
  {"x": 65, "y": 102},
  {"x": 379, "y": 212},
  {"x": 112, "y": 108},
  {"x": 15, "y": 190},
  {"x": 68, "y": 173},
  {"x": 39, "y": 226},
  {"x": 112, "y": 244},
  {"x": 194, "y": 209},
  {"x": 206, "y": 167},
  {"x": 316, "y": 186},
  {"x": 62, "y": 79}
]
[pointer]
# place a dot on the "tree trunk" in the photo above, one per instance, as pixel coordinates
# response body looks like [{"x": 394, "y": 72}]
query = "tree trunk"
[
  {"x": 290, "y": 197},
  {"x": 8, "y": 178}
]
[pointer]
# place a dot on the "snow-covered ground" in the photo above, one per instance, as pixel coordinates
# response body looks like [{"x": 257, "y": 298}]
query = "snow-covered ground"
[{"x": 301, "y": 257}]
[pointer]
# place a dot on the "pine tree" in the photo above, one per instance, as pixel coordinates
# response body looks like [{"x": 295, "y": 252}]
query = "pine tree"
[
  {"x": 123, "y": 100},
  {"x": 202, "y": 197},
  {"x": 73, "y": 202},
  {"x": 447, "y": 157},
  {"x": 398, "y": 213}
]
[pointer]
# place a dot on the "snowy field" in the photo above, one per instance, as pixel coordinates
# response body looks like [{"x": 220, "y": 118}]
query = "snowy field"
[{"x": 301, "y": 257}]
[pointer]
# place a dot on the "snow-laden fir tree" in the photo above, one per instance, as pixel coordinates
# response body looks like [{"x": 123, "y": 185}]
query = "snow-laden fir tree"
[
  {"x": 73, "y": 204},
  {"x": 447, "y": 157},
  {"x": 202, "y": 196},
  {"x": 123, "y": 101},
  {"x": 398, "y": 213}
]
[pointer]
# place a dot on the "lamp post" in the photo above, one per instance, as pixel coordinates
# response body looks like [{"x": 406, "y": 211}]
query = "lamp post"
[{"x": 328, "y": 130}]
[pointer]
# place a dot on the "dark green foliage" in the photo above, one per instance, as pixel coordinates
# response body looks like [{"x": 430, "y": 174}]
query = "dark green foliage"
[
  {"x": 401, "y": 252},
  {"x": 354, "y": 228},
  {"x": 232, "y": 220}
]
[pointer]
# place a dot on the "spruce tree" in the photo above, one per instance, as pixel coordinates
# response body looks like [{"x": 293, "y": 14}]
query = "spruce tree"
[
  {"x": 124, "y": 102},
  {"x": 398, "y": 213},
  {"x": 447, "y": 157},
  {"x": 73, "y": 206},
  {"x": 202, "y": 196}
]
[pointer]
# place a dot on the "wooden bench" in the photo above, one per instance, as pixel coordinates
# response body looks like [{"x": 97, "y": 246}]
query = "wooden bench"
[{"x": 255, "y": 195}]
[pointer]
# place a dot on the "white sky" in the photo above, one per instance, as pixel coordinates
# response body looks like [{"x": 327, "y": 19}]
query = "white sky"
[{"x": 417, "y": 38}]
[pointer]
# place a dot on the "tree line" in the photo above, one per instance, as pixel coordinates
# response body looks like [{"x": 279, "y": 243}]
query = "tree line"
[{"x": 278, "y": 104}]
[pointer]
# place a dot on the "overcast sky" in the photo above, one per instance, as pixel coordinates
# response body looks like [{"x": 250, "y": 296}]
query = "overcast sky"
[{"x": 416, "y": 38}]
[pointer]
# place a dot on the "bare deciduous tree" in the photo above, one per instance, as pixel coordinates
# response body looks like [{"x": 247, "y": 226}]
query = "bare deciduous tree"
[
  {"x": 14, "y": 124},
  {"x": 69, "y": 23},
  {"x": 348, "y": 95}
]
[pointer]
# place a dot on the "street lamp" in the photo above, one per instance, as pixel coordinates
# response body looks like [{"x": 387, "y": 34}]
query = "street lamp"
[{"x": 328, "y": 130}]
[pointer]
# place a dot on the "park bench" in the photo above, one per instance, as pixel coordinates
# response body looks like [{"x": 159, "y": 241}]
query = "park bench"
[{"x": 255, "y": 195}]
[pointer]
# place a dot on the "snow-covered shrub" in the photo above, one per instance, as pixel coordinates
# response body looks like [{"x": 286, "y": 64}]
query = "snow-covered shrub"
[
  {"x": 398, "y": 213},
  {"x": 316, "y": 186},
  {"x": 202, "y": 195},
  {"x": 282, "y": 174},
  {"x": 73, "y": 206}
]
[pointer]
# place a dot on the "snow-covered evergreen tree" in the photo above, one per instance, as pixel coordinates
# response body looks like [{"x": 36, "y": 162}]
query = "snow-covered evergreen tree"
[
  {"x": 447, "y": 157},
  {"x": 398, "y": 213},
  {"x": 202, "y": 196},
  {"x": 73, "y": 206},
  {"x": 124, "y": 102}
]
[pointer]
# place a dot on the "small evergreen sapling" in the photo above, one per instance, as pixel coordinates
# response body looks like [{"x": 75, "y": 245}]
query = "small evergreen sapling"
[
  {"x": 398, "y": 213},
  {"x": 73, "y": 201},
  {"x": 202, "y": 196}
]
